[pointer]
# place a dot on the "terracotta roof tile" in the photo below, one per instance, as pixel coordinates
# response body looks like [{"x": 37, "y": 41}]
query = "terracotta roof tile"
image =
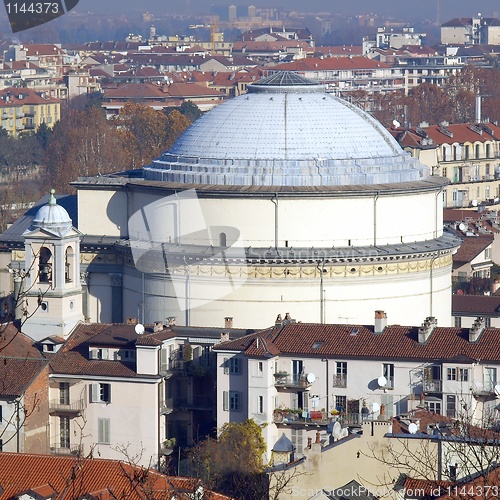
[
  {"x": 106, "y": 478},
  {"x": 480, "y": 305},
  {"x": 358, "y": 342},
  {"x": 471, "y": 247}
]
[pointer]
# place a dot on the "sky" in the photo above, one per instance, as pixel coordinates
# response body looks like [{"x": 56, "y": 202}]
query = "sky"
[{"x": 398, "y": 8}]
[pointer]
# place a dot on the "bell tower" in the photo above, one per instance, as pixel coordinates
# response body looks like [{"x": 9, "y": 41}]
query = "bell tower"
[{"x": 51, "y": 292}]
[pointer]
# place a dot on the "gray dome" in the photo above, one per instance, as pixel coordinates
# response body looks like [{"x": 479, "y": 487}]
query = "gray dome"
[
  {"x": 287, "y": 131},
  {"x": 53, "y": 217}
]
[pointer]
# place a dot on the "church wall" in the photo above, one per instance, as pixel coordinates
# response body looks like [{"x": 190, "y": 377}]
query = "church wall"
[
  {"x": 402, "y": 289},
  {"x": 102, "y": 212}
]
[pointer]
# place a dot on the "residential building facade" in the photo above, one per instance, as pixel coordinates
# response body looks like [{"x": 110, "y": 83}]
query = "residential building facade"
[
  {"x": 468, "y": 155},
  {"x": 298, "y": 378}
]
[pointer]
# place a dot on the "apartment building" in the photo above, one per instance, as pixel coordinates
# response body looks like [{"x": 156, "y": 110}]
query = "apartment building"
[
  {"x": 297, "y": 378},
  {"x": 467, "y": 154},
  {"x": 24, "y": 110}
]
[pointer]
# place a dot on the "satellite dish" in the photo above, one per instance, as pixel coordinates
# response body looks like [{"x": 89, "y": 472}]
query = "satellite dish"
[
  {"x": 497, "y": 390},
  {"x": 382, "y": 381},
  {"x": 474, "y": 203},
  {"x": 396, "y": 123},
  {"x": 310, "y": 377},
  {"x": 462, "y": 226},
  {"x": 337, "y": 430},
  {"x": 139, "y": 329},
  {"x": 376, "y": 407},
  {"x": 412, "y": 428}
]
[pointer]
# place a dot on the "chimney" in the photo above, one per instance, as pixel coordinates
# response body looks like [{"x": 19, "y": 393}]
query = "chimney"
[
  {"x": 171, "y": 321},
  {"x": 425, "y": 331},
  {"x": 157, "y": 327},
  {"x": 478, "y": 109},
  {"x": 279, "y": 320},
  {"x": 477, "y": 329},
  {"x": 228, "y": 322},
  {"x": 318, "y": 438},
  {"x": 224, "y": 337},
  {"x": 132, "y": 321},
  {"x": 380, "y": 321}
]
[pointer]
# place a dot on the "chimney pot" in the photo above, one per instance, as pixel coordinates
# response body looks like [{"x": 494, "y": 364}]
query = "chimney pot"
[
  {"x": 318, "y": 438},
  {"x": 380, "y": 321},
  {"x": 132, "y": 321},
  {"x": 309, "y": 442},
  {"x": 228, "y": 322}
]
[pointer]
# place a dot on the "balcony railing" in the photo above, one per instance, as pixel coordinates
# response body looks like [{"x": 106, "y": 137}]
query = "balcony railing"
[
  {"x": 75, "y": 407},
  {"x": 340, "y": 381},
  {"x": 71, "y": 450},
  {"x": 286, "y": 381},
  {"x": 283, "y": 418},
  {"x": 433, "y": 385},
  {"x": 198, "y": 402}
]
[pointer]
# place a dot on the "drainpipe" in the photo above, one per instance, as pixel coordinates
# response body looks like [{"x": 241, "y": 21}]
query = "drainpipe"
[
  {"x": 375, "y": 218},
  {"x": 275, "y": 203}
]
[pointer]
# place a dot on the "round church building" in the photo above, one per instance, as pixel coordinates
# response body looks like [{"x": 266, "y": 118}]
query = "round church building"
[{"x": 284, "y": 200}]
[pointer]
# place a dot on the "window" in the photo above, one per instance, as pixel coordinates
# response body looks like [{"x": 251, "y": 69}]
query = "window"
[
  {"x": 64, "y": 432},
  {"x": 103, "y": 425},
  {"x": 477, "y": 150},
  {"x": 340, "y": 379},
  {"x": 488, "y": 150},
  {"x": 260, "y": 369},
  {"x": 458, "y": 322},
  {"x": 434, "y": 406},
  {"x": 64, "y": 393},
  {"x": 445, "y": 171},
  {"x": 1, "y": 444},
  {"x": 388, "y": 373},
  {"x": 232, "y": 366},
  {"x": 463, "y": 374},
  {"x": 260, "y": 404},
  {"x": 450, "y": 405},
  {"x": 467, "y": 151},
  {"x": 231, "y": 401},
  {"x": 100, "y": 393},
  {"x": 1, "y": 413},
  {"x": 340, "y": 403},
  {"x": 451, "y": 373}
]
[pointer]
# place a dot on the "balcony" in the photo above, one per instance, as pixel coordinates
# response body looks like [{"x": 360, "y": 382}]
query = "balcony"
[
  {"x": 295, "y": 382},
  {"x": 433, "y": 385},
  {"x": 57, "y": 449},
  {"x": 485, "y": 390},
  {"x": 167, "y": 406},
  {"x": 340, "y": 381},
  {"x": 294, "y": 418},
  {"x": 196, "y": 403},
  {"x": 71, "y": 408}
]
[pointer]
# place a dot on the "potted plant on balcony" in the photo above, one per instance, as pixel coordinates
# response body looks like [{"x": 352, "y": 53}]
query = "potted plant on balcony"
[{"x": 167, "y": 447}]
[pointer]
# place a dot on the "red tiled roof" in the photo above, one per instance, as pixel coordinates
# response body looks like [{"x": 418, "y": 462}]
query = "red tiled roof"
[
  {"x": 20, "y": 361},
  {"x": 191, "y": 90},
  {"x": 477, "y": 305},
  {"x": 135, "y": 91},
  {"x": 359, "y": 342},
  {"x": 462, "y": 132},
  {"x": 331, "y": 63},
  {"x": 73, "y": 358},
  {"x": 471, "y": 247},
  {"x": 340, "y": 50},
  {"x": 72, "y": 478}
]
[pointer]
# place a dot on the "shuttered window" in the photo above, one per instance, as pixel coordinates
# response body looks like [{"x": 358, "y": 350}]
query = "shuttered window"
[{"x": 103, "y": 431}]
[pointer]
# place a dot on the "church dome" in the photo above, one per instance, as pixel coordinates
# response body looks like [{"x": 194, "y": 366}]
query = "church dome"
[
  {"x": 286, "y": 131},
  {"x": 53, "y": 217}
]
